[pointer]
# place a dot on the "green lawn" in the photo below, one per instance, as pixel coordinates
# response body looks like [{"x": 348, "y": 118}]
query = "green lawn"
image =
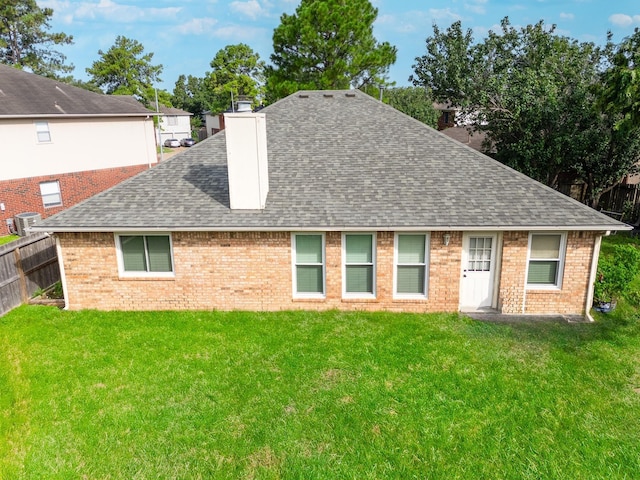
[
  {"x": 8, "y": 238},
  {"x": 301, "y": 395}
]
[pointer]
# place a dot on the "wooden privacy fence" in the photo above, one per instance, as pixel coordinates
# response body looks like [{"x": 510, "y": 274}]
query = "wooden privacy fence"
[
  {"x": 623, "y": 198},
  {"x": 26, "y": 265}
]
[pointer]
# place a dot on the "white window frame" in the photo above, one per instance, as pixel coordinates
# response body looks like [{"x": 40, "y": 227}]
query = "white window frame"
[
  {"x": 44, "y": 194},
  {"x": 42, "y": 128},
  {"x": 126, "y": 274},
  {"x": 172, "y": 120},
  {"x": 360, "y": 295},
  {"x": 562, "y": 256},
  {"x": 295, "y": 264},
  {"x": 427, "y": 243}
]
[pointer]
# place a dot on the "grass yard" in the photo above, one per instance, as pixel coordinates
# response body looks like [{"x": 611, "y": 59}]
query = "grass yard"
[
  {"x": 8, "y": 238},
  {"x": 301, "y": 395}
]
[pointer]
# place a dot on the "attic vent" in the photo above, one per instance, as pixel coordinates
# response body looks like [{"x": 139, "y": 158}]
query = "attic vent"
[
  {"x": 351, "y": 95},
  {"x": 328, "y": 95},
  {"x": 303, "y": 95}
]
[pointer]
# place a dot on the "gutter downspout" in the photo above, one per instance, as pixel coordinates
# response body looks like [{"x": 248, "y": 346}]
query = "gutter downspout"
[
  {"x": 63, "y": 277},
  {"x": 592, "y": 276}
]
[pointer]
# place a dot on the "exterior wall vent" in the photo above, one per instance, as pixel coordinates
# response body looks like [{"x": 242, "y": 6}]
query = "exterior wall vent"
[{"x": 25, "y": 220}]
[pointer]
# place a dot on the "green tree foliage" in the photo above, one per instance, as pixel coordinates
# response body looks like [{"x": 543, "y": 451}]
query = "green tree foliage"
[
  {"x": 237, "y": 70},
  {"x": 616, "y": 271},
  {"x": 25, "y": 41},
  {"x": 125, "y": 69},
  {"x": 534, "y": 93},
  {"x": 327, "y": 44},
  {"x": 191, "y": 94},
  {"x": 415, "y": 102},
  {"x": 621, "y": 83}
]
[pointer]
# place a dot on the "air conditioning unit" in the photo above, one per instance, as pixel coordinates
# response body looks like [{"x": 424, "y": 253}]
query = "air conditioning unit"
[{"x": 25, "y": 220}]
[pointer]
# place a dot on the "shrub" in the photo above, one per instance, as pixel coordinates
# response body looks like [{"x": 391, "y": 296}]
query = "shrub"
[{"x": 616, "y": 271}]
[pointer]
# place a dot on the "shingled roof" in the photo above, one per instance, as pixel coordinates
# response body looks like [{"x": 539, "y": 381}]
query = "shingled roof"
[
  {"x": 24, "y": 94},
  {"x": 338, "y": 160}
]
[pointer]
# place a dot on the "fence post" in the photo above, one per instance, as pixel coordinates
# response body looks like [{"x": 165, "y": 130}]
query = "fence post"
[{"x": 24, "y": 295}]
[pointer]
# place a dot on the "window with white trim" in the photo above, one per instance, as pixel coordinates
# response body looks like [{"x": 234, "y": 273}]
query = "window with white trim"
[
  {"x": 308, "y": 265},
  {"x": 359, "y": 266},
  {"x": 546, "y": 260},
  {"x": 42, "y": 132},
  {"x": 50, "y": 192},
  {"x": 145, "y": 255},
  {"x": 172, "y": 120},
  {"x": 411, "y": 265}
]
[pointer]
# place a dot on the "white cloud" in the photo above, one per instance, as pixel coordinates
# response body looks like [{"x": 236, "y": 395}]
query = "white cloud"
[
  {"x": 476, "y": 6},
  {"x": 107, "y": 10},
  {"x": 408, "y": 23},
  {"x": 251, "y": 9},
  {"x": 567, "y": 16},
  {"x": 622, "y": 20},
  {"x": 238, "y": 33},
  {"x": 196, "y": 26},
  {"x": 444, "y": 14}
]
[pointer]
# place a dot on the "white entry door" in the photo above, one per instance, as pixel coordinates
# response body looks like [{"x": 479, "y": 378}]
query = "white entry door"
[{"x": 478, "y": 270}]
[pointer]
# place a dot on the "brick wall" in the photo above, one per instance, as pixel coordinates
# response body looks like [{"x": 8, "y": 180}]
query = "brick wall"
[
  {"x": 23, "y": 195},
  {"x": 252, "y": 271},
  {"x": 570, "y": 299}
]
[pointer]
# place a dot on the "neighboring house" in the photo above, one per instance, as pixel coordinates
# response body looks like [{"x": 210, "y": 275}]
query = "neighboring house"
[
  {"x": 174, "y": 123},
  {"x": 63, "y": 144},
  {"x": 330, "y": 200},
  {"x": 457, "y": 127},
  {"x": 213, "y": 122}
]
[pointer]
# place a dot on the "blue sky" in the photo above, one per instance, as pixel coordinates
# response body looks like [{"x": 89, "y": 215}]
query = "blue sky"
[{"x": 185, "y": 35}]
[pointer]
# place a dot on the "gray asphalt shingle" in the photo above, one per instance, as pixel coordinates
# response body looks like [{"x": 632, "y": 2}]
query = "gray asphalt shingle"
[
  {"x": 24, "y": 94},
  {"x": 337, "y": 160}
]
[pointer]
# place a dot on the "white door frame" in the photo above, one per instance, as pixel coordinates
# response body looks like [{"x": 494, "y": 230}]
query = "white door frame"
[{"x": 489, "y": 281}]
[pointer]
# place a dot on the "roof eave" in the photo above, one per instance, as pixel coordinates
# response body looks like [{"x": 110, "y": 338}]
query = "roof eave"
[
  {"x": 342, "y": 228},
  {"x": 80, "y": 115}
]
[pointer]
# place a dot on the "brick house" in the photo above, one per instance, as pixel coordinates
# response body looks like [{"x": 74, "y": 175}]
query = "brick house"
[
  {"x": 63, "y": 144},
  {"x": 317, "y": 203}
]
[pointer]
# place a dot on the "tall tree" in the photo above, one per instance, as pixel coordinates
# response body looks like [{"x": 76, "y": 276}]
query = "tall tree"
[
  {"x": 125, "y": 69},
  {"x": 25, "y": 41},
  {"x": 238, "y": 71},
  {"x": 191, "y": 94},
  {"x": 534, "y": 93},
  {"x": 621, "y": 82},
  {"x": 327, "y": 44},
  {"x": 415, "y": 102}
]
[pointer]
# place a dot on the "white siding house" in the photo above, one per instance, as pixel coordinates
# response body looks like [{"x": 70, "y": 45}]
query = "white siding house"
[{"x": 63, "y": 144}]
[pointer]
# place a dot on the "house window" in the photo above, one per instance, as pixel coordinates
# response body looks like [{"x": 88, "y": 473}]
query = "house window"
[
  {"x": 308, "y": 265},
  {"x": 546, "y": 258},
  {"x": 172, "y": 120},
  {"x": 50, "y": 192},
  {"x": 359, "y": 268},
  {"x": 145, "y": 255},
  {"x": 411, "y": 254},
  {"x": 42, "y": 132}
]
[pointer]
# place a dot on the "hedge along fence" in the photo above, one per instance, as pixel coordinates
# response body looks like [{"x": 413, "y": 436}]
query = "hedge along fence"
[{"x": 27, "y": 265}]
